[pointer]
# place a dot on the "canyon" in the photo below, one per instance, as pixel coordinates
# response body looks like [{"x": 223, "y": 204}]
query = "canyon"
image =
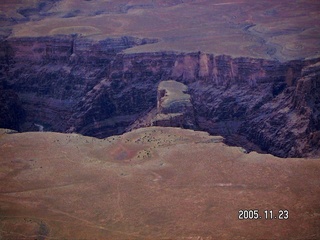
[
  {"x": 93, "y": 67},
  {"x": 156, "y": 119},
  {"x": 75, "y": 84}
]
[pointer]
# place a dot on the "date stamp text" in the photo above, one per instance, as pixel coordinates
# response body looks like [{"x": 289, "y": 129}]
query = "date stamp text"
[{"x": 255, "y": 214}]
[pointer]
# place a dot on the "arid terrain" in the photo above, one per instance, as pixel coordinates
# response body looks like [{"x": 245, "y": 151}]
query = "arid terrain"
[
  {"x": 283, "y": 30},
  {"x": 93, "y": 92},
  {"x": 151, "y": 183}
]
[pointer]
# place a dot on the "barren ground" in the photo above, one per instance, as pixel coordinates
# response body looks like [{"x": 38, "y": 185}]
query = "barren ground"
[
  {"x": 159, "y": 183},
  {"x": 152, "y": 183},
  {"x": 282, "y": 30}
]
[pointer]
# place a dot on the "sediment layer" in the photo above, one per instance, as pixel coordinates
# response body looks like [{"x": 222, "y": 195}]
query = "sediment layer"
[{"x": 72, "y": 84}]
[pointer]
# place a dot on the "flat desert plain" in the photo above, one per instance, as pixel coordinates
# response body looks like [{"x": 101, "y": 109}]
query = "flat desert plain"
[
  {"x": 151, "y": 183},
  {"x": 282, "y": 30}
]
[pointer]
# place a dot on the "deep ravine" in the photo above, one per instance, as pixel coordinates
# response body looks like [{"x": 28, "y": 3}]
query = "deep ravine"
[{"x": 73, "y": 84}]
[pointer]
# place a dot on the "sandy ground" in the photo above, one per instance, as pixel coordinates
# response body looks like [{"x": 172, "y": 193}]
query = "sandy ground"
[
  {"x": 152, "y": 183},
  {"x": 281, "y": 30}
]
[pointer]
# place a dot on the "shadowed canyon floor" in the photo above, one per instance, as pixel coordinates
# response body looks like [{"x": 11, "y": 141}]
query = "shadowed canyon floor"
[{"x": 151, "y": 183}]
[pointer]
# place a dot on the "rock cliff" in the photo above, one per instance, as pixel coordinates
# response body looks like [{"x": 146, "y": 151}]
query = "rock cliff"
[
  {"x": 174, "y": 107},
  {"x": 73, "y": 84},
  {"x": 289, "y": 124}
]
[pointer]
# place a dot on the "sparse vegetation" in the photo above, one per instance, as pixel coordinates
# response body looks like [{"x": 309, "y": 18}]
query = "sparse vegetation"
[
  {"x": 92, "y": 67},
  {"x": 178, "y": 172}
]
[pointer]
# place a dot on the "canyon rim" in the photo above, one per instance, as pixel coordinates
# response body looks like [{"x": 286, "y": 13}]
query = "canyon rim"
[{"x": 160, "y": 111}]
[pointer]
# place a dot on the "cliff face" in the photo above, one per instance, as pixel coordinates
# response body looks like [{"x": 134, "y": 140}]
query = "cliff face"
[
  {"x": 72, "y": 84},
  {"x": 174, "y": 107},
  {"x": 55, "y": 77},
  {"x": 289, "y": 123}
]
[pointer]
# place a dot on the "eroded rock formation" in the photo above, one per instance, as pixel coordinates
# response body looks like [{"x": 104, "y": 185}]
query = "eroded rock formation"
[
  {"x": 72, "y": 84},
  {"x": 289, "y": 124},
  {"x": 174, "y": 107}
]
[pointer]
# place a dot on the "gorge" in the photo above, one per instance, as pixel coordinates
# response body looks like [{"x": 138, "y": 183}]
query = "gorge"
[
  {"x": 158, "y": 119},
  {"x": 74, "y": 84}
]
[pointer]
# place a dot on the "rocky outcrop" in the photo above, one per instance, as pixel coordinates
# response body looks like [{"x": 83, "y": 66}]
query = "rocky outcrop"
[
  {"x": 289, "y": 124},
  {"x": 60, "y": 77},
  {"x": 174, "y": 107},
  {"x": 125, "y": 92},
  {"x": 73, "y": 84}
]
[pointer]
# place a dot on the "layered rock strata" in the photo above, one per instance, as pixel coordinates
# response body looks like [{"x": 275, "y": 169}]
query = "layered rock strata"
[
  {"x": 73, "y": 84},
  {"x": 174, "y": 107},
  {"x": 289, "y": 124}
]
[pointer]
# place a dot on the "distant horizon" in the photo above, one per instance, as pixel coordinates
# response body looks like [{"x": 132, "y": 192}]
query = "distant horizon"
[
  {"x": 280, "y": 31},
  {"x": 157, "y": 119}
]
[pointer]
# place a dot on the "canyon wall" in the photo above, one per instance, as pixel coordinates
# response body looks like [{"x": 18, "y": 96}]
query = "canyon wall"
[
  {"x": 73, "y": 84},
  {"x": 174, "y": 107}
]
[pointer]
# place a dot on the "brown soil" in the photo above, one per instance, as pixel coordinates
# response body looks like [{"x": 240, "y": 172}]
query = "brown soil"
[
  {"x": 152, "y": 183},
  {"x": 265, "y": 29}
]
